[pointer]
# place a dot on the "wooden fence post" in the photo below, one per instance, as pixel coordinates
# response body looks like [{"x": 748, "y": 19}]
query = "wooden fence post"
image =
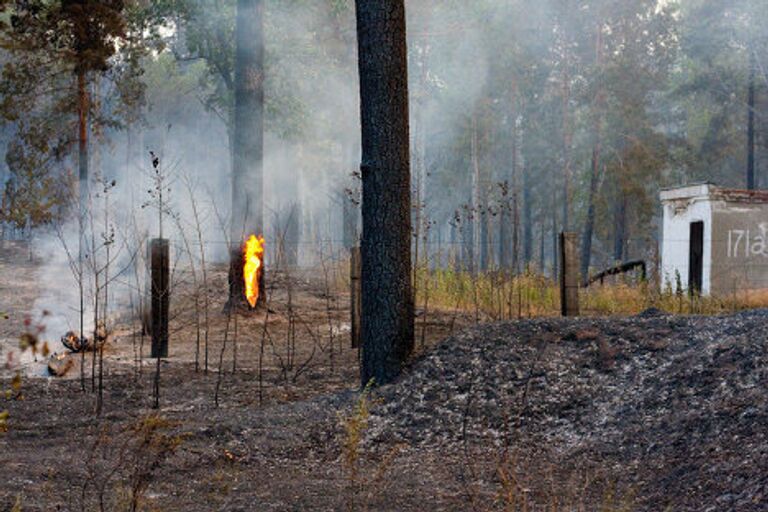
[
  {"x": 355, "y": 294},
  {"x": 569, "y": 274},
  {"x": 160, "y": 296}
]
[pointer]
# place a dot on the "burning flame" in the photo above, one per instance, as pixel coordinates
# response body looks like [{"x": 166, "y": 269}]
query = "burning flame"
[{"x": 253, "y": 252}]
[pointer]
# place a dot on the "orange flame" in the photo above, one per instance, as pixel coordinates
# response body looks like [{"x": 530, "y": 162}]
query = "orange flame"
[{"x": 253, "y": 252}]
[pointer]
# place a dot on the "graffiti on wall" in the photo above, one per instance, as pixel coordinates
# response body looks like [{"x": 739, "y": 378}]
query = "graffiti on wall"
[{"x": 748, "y": 242}]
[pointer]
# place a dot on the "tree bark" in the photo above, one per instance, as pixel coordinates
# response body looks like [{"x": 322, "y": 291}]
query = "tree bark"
[
  {"x": 82, "y": 107},
  {"x": 474, "y": 232},
  {"x": 501, "y": 245},
  {"x": 516, "y": 164},
  {"x": 527, "y": 216},
  {"x": 555, "y": 237},
  {"x": 387, "y": 302},
  {"x": 248, "y": 143},
  {"x": 620, "y": 226},
  {"x": 751, "y": 124},
  {"x": 567, "y": 142},
  {"x": 594, "y": 178}
]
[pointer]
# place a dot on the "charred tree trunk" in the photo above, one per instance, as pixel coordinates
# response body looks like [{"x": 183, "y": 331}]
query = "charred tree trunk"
[
  {"x": 248, "y": 143},
  {"x": 387, "y": 302}
]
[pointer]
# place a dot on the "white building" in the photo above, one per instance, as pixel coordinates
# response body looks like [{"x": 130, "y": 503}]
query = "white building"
[{"x": 714, "y": 239}]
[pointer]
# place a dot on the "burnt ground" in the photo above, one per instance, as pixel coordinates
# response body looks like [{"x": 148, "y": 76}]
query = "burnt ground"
[{"x": 652, "y": 413}]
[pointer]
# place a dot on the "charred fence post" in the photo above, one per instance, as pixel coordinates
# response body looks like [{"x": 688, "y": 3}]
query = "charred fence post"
[
  {"x": 569, "y": 274},
  {"x": 160, "y": 296},
  {"x": 355, "y": 275}
]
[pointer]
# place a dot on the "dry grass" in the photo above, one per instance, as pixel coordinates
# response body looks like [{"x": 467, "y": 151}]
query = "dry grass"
[{"x": 501, "y": 296}]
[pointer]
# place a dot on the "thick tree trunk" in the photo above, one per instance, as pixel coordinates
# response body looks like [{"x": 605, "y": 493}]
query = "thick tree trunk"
[
  {"x": 387, "y": 302},
  {"x": 248, "y": 143}
]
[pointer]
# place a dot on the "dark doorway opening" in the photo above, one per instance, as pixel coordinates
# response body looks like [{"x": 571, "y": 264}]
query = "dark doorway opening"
[{"x": 696, "y": 258}]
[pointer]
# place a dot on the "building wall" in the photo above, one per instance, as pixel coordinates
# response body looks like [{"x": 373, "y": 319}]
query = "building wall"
[
  {"x": 679, "y": 213},
  {"x": 740, "y": 247}
]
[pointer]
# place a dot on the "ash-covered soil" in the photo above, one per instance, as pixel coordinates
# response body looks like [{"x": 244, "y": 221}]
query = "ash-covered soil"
[
  {"x": 672, "y": 410},
  {"x": 649, "y": 413}
]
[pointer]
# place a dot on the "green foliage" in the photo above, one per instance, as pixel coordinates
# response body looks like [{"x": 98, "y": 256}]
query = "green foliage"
[
  {"x": 209, "y": 36},
  {"x": 50, "y": 45}
]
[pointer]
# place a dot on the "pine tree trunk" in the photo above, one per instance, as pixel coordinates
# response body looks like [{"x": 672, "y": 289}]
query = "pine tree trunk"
[
  {"x": 620, "y": 226},
  {"x": 503, "y": 250},
  {"x": 594, "y": 178},
  {"x": 555, "y": 238},
  {"x": 516, "y": 163},
  {"x": 387, "y": 301},
  {"x": 82, "y": 107},
  {"x": 567, "y": 142},
  {"x": 248, "y": 143},
  {"x": 474, "y": 234},
  {"x": 484, "y": 241},
  {"x": 751, "y": 124},
  {"x": 527, "y": 217},
  {"x": 455, "y": 250}
]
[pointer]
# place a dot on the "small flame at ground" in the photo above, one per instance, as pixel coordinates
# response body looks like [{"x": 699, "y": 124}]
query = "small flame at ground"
[{"x": 253, "y": 252}]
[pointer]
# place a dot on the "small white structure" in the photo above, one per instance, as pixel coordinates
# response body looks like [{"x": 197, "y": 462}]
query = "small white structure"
[{"x": 714, "y": 240}]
